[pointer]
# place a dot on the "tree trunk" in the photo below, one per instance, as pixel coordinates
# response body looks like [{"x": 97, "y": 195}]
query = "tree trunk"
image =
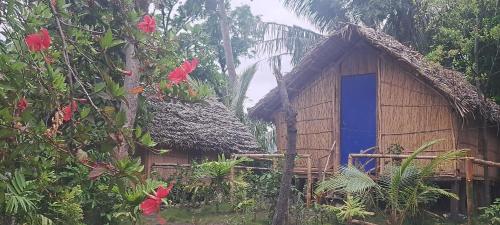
[
  {"x": 482, "y": 142},
  {"x": 281, "y": 209},
  {"x": 228, "y": 51},
  {"x": 131, "y": 64},
  {"x": 129, "y": 105}
]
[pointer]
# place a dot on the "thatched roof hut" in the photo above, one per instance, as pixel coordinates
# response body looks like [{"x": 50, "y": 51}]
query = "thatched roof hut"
[
  {"x": 461, "y": 94},
  {"x": 195, "y": 131},
  {"x": 200, "y": 126},
  {"x": 361, "y": 89}
]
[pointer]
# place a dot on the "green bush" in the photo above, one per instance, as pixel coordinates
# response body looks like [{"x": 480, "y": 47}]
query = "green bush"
[{"x": 491, "y": 214}]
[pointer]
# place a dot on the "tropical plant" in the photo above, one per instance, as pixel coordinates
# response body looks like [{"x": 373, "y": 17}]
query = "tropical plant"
[
  {"x": 353, "y": 208},
  {"x": 491, "y": 214},
  {"x": 215, "y": 173},
  {"x": 404, "y": 189}
]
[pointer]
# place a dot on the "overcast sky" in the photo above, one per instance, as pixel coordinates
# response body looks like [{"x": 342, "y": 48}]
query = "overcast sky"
[{"x": 270, "y": 11}]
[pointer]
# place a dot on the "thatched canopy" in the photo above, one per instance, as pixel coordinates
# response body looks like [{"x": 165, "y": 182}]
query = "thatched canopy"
[
  {"x": 201, "y": 126},
  {"x": 461, "y": 94}
]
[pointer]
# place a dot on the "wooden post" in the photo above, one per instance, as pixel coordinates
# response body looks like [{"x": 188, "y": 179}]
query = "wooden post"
[
  {"x": 309, "y": 182},
  {"x": 469, "y": 188},
  {"x": 349, "y": 160},
  {"x": 455, "y": 188},
  {"x": 231, "y": 183}
]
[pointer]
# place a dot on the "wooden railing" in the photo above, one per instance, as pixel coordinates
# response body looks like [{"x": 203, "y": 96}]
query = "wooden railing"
[{"x": 469, "y": 173}]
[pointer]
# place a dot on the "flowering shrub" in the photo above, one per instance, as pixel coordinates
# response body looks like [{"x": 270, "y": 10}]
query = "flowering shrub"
[{"x": 67, "y": 149}]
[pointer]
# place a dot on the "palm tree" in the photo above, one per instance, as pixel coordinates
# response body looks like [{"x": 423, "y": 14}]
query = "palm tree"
[
  {"x": 404, "y": 19},
  {"x": 404, "y": 189}
]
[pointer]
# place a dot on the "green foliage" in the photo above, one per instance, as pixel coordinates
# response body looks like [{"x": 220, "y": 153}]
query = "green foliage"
[
  {"x": 403, "y": 188},
  {"x": 491, "y": 214},
  {"x": 217, "y": 170},
  {"x": 353, "y": 208},
  {"x": 20, "y": 197},
  {"x": 81, "y": 170}
]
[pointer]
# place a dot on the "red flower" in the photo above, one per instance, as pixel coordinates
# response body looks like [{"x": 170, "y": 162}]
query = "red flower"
[
  {"x": 127, "y": 73},
  {"x": 68, "y": 111},
  {"x": 152, "y": 203},
  {"x": 181, "y": 73},
  {"x": 147, "y": 25},
  {"x": 22, "y": 104},
  {"x": 178, "y": 75},
  {"x": 38, "y": 41},
  {"x": 150, "y": 206},
  {"x": 189, "y": 66},
  {"x": 162, "y": 192}
]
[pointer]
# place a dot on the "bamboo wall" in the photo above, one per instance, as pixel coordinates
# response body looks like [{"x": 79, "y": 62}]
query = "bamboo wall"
[
  {"x": 412, "y": 113},
  {"x": 175, "y": 157},
  {"x": 315, "y": 130},
  {"x": 468, "y": 138}
]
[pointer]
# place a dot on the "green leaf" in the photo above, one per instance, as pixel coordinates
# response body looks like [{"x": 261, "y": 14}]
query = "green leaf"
[
  {"x": 138, "y": 132},
  {"x": 147, "y": 140},
  {"x": 106, "y": 40},
  {"x": 84, "y": 112},
  {"x": 99, "y": 87},
  {"x": 120, "y": 118}
]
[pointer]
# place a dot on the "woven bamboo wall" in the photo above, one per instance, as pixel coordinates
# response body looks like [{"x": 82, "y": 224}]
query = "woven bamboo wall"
[
  {"x": 468, "y": 132},
  {"x": 412, "y": 113},
  {"x": 176, "y": 157},
  {"x": 314, "y": 105}
]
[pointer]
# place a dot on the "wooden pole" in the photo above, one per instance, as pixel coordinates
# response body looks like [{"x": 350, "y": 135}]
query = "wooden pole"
[
  {"x": 455, "y": 188},
  {"x": 231, "y": 183},
  {"x": 309, "y": 182},
  {"x": 469, "y": 185},
  {"x": 328, "y": 160},
  {"x": 349, "y": 160}
]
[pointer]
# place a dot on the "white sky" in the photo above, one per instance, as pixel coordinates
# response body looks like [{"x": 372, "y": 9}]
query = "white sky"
[{"x": 270, "y": 11}]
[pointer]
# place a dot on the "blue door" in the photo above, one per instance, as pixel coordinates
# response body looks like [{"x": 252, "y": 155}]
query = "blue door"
[{"x": 358, "y": 113}]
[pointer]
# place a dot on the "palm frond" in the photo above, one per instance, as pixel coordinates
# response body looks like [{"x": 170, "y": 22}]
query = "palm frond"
[
  {"x": 244, "y": 82},
  {"x": 431, "y": 167},
  {"x": 326, "y": 15},
  {"x": 282, "y": 39},
  {"x": 349, "y": 180}
]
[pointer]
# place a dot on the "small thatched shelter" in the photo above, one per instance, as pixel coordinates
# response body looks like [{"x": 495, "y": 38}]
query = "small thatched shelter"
[
  {"x": 194, "y": 132},
  {"x": 360, "y": 88}
]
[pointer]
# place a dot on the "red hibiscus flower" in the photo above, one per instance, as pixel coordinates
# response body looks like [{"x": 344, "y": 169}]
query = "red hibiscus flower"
[
  {"x": 189, "y": 66},
  {"x": 22, "y": 104},
  {"x": 69, "y": 110},
  {"x": 152, "y": 203},
  {"x": 181, "y": 73},
  {"x": 38, "y": 41},
  {"x": 177, "y": 76},
  {"x": 147, "y": 25}
]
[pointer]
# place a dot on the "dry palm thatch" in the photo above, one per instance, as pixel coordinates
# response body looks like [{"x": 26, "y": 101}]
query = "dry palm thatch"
[
  {"x": 198, "y": 126},
  {"x": 462, "y": 95}
]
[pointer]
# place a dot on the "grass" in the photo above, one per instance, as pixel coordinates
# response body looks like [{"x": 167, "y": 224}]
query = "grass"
[{"x": 209, "y": 215}]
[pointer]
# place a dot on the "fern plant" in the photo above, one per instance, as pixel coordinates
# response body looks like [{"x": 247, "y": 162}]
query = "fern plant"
[
  {"x": 20, "y": 198},
  {"x": 215, "y": 173},
  {"x": 403, "y": 188}
]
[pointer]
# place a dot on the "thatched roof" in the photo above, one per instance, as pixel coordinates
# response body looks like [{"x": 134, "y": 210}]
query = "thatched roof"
[
  {"x": 461, "y": 94},
  {"x": 201, "y": 126}
]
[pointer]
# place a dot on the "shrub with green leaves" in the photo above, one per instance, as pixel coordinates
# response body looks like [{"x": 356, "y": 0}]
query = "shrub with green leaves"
[
  {"x": 403, "y": 189},
  {"x": 491, "y": 214}
]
